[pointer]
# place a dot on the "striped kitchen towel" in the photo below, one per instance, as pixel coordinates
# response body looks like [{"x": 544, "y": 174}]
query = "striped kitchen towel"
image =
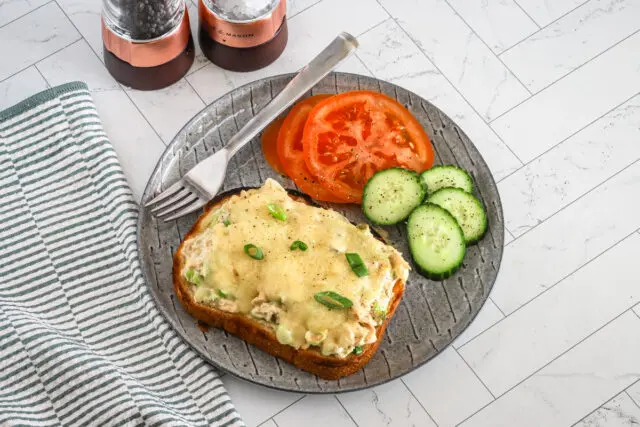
[{"x": 81, "y": 341}]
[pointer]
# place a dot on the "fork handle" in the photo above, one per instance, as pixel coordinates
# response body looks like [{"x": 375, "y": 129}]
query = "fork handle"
[{"x": 336, "y": 52}]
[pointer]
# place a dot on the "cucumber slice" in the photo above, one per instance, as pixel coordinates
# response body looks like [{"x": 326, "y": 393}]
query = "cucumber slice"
[
  {"x": 466, "y": 209},
  {"x": 446, "y": 176},
  {"x": 391, "y": 194},
  {"x": 436, "y": 241}
]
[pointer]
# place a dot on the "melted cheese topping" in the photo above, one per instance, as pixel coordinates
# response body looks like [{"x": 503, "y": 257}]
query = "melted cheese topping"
[{"x": 279, "y": 289}]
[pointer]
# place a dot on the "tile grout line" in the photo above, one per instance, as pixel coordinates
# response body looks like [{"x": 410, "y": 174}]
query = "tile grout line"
[
  {"x": 593, "y": 57},
  {"x": 499, "y": 309},
  {"x": 355, "y": 54},
  {"x": 589, "y": 414},
  {"x": 528, "y": 16},
  {"x": 25, "y": 14},
  {"x": 549, "y": 363},
  {"x": 264, "y": 423},
  {"x": 373, "y": 27},
  {"x": 418, "y": 400},
  {"x": 452, "y": 85},
  {"x": 476, "y": 375},
  {"x": 559, "y": 79},
  {"x": 505, "y": 227},
  {"x": 272, "y": 417},
  {"x": 43, "y": 58},
  {"x": 600, "y": 184},
  {"x": 568, "y": 137},
  {"x": 41, "y": 75},
  {"x": 192, "y": 69},
  {"x": 345, "y": 410},
  {"x": 505, "y": 177},
  {"x": 195, "y": 35},
  {"x": 366, "y": 67},
  {"x": 605, "y": 402},
  {"x": 49, "y": 83},
  {"x": 543, "y": 27},
  {"x": 626, "y": 391},
  {"x": 503, "y": 316},
  {"x": 490, "y": 50},
  {"x": 195, "y": 91},
  {"x": 306, "y": 8},
  {"x": 549, "y": 288},
  {"x": 145, "y": 117}
]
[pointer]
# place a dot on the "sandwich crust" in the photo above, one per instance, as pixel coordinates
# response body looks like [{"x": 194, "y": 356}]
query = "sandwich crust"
[{"x": 253, "y": 332}]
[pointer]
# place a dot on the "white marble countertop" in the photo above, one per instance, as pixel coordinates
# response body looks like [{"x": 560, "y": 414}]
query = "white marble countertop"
[{"x": 549, "y": 91}]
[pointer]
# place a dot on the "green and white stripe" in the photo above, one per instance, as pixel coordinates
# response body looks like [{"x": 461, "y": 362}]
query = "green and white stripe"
[{"x": 81, "y": 341}]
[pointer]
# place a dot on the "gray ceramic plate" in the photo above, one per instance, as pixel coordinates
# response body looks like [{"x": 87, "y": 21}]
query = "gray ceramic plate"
[{"x": 431, "y": 315}]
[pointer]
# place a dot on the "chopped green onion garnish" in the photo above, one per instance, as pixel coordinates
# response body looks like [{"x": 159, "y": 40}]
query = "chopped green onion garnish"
[
  {"x": 227, "y": 295},
  {"x": 357, "y": 265},
  {"x": 332, "y": 299},
  {"x": 226, "y": 223},
  {"x": 193, "y": 277},
  {"x": 284, "y": 334},
  {"x": 189, "y": 275},
  {"x": 253, "y": 251},
  {"x": 357, "y": 350},
  {"x": 298, "y": 245},
  {"x": 379, "y": 313},
  {"x": 277, "y": 212}
]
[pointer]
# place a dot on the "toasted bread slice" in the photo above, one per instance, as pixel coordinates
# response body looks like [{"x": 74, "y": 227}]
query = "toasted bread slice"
[{"x": 263, "y": 337}]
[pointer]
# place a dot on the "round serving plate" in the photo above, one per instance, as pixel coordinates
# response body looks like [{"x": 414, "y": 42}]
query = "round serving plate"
[{"x": 431, "y": 315}]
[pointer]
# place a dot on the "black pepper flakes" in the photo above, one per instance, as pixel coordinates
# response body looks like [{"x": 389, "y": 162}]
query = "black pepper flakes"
[{"x": 147, "y": 19}]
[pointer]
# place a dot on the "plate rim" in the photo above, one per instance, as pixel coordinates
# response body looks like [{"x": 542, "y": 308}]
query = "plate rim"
[{"x": 174, "y": 323}]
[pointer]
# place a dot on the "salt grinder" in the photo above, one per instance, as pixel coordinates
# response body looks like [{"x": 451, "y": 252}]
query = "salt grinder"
[
  {"x": 147, "y": 43},
  {"x": 242, "y": 35}
]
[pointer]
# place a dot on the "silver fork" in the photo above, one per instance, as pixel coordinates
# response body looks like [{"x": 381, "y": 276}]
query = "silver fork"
[{"x": 204, "y": 180}]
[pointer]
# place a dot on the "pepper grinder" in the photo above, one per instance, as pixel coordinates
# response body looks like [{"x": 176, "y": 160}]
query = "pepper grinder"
[{"x": 147, "y": 43}]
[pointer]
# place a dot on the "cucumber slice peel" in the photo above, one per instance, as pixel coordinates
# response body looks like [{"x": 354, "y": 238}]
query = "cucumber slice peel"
[
  {"x": 466, "y": 209},
  {"x": 391, "y": 194},
  {"x": 436, "y": 241},
  {"x": 444, "y": 176}
]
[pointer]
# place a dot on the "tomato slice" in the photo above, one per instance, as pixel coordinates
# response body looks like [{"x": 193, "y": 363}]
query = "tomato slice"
[
  {"x": 291, "y": 152},
  {"x": 269, "y": 144},
  {"x": 350, "y": 136}
]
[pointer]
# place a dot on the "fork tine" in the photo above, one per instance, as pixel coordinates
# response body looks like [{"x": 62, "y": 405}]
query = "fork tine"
[
  {"x": 177, "y": 206},
  {"x": 189, "y": 209},
  {"x": 166, "y": 193},
  {"x": 170, "y": 201}
]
